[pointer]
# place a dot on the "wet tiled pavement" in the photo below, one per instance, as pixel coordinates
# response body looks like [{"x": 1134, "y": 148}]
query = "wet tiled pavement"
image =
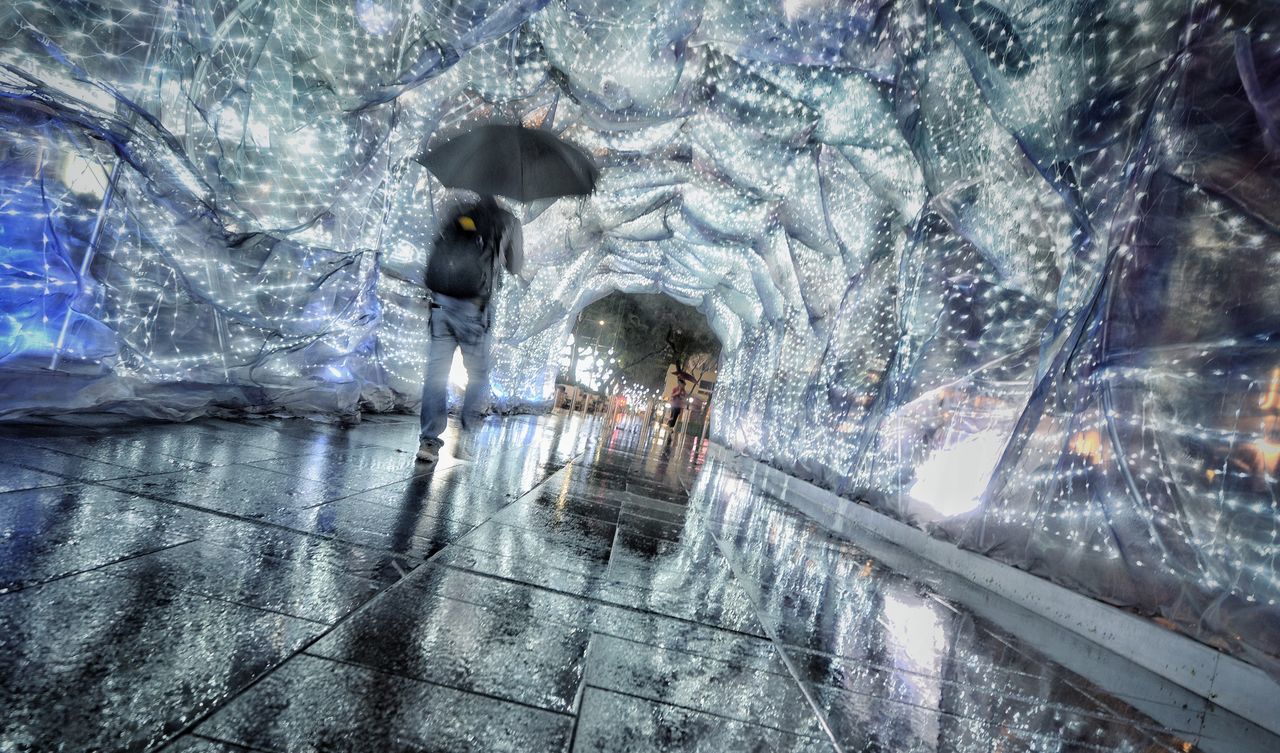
[{"x": 291, "y": 586}]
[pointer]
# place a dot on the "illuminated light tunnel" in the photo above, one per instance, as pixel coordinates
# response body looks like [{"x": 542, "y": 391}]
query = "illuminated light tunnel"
[{"x": 1006, "y": 270}]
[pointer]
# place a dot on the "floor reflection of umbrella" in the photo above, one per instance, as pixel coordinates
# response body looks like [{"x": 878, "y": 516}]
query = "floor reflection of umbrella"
[{"x": 508, "y": 160}]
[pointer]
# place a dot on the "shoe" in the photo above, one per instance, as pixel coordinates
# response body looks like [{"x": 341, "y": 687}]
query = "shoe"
[{"x": 427, "y": 452}]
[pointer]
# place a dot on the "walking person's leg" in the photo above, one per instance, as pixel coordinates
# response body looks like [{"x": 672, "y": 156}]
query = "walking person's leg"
[
  {"x": 476, "y": 357},
  {"x": 473, "y": 338},
  {"x": 435, "y": 388}
]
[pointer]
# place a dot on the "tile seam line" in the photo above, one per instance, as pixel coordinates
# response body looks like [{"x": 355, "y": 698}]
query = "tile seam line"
[
  {"x": 410, "y": 479},
  {"x": 884, "y": 541},
  {"x": 63, "y": 482},
  {"x": 138, "y": 474},
  {"x": 823, "y": 722},
  {"x": 643, "y": 518},
  {"x": 283, "y": 559},
  {"x": 69, "y": 479},
  {"x": 718, "y": 660},
  {"x": 805, "y": 690},
  {"x": 191, "y": 726},
  {"x": 228, "y": 743},
  {"x": 580, "y": 693},
  {"x": 263, "y": 522},
  {"x": 606, "y": 633},
  {"x": 96, "y": 568},
  {"x": 353, "y": 496},
  {"x": 73, "y": 455},
  {"x": 296, "y": 477},
  {"x": 529, "y": 529},
  {"x": 1149, "y": 728},
  {"x": 595, "y": 600},
  {"x": 1101, "y": 714},
  {"x": 195, "y": 464},
  {"x": 633, "y": 508},
  {"x": 232, "y": 602},
  {"x": 435, "y": 683},
  {"x": 713, "y": 714}
]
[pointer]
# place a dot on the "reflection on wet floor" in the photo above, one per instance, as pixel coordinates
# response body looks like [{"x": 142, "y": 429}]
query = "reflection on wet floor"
[{"x": 290, "y": 586}]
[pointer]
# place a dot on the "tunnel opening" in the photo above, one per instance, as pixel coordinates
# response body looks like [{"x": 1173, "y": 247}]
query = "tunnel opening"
[{"x": 640, "y": 359}]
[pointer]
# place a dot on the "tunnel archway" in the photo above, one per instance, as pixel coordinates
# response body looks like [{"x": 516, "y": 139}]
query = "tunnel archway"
[
  {"x": 632, "y": 354},
  {"x": 526, "y": 348}
]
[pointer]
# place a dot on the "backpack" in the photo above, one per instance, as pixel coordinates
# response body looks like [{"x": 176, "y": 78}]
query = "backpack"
[{"x": 463, "y": 260}]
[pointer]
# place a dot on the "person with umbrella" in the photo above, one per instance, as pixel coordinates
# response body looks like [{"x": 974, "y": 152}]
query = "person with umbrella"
[
  {"x": 678, "y": 397},
  {"x": 475, "y": 243}
]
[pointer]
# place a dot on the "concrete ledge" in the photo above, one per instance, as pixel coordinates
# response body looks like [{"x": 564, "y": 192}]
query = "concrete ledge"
[{"x": 1229, "y": 683}]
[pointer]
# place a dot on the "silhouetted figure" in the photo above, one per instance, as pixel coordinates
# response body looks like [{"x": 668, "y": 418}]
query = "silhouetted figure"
[{"x": 678, "y": 396}]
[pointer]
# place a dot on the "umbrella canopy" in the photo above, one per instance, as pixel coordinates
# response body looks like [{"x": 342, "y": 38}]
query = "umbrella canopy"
[{"x": 507, "y": 160}]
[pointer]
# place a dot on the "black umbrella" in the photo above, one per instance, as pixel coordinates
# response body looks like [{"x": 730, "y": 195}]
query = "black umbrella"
[{"x": 520, "y": 163}]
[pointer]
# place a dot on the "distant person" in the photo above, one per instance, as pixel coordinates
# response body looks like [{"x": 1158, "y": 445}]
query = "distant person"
[
  {"x": 474, "y": 242},
  {"x": 678, "y": 396}
]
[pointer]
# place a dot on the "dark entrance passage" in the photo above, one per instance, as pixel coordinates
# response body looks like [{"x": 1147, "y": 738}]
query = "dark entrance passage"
[{"x": 644, "y": 362}]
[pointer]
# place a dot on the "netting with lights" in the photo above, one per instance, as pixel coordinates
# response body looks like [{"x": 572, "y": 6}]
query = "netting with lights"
[{"x": 1006, "y": 269}]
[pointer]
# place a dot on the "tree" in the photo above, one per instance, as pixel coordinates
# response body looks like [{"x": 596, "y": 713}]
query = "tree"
[
  {"x": 699, "y": 364},
  {"x": 686, "y": 343}
]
